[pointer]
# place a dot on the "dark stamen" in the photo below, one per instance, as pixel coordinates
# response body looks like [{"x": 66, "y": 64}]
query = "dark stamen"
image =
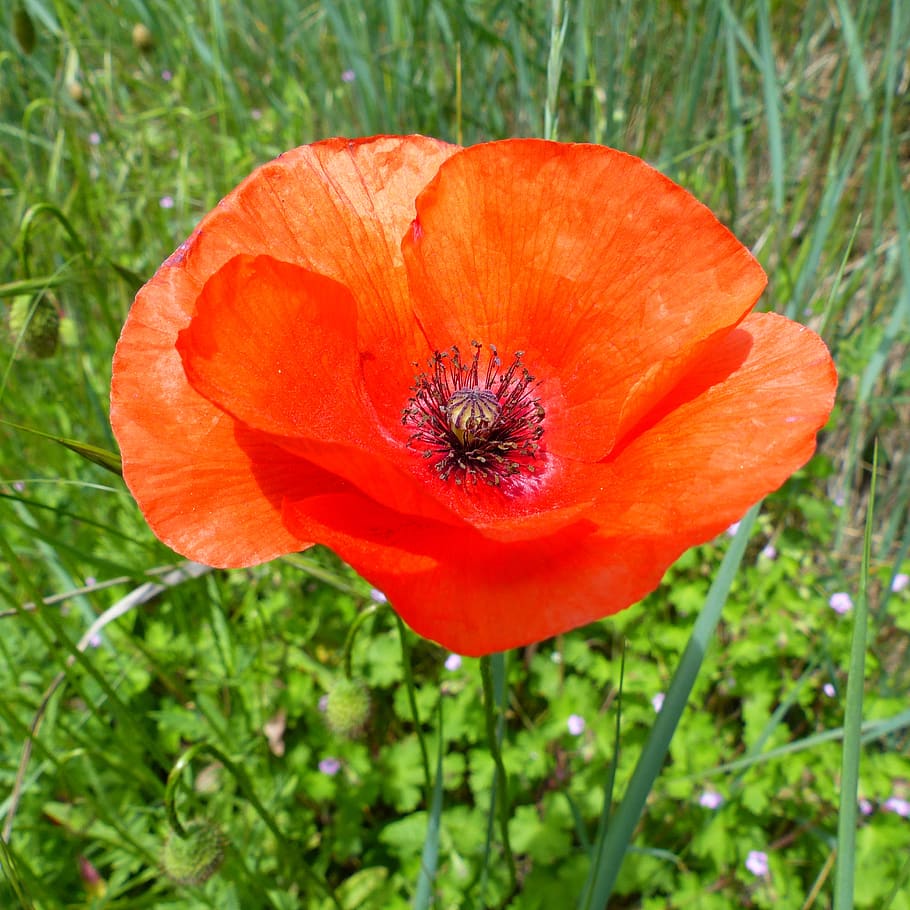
[{"x": 475, "y": 423}]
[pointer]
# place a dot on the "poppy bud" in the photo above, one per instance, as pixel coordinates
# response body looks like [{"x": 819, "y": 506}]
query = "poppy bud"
[
  {"x": 347, "y": 708},
  {"x": 195, "y": 858},
  {"x": 75, "y": 91},
  {"x": 35, "y": 325},
  {"x": 24, "y": 29},
  {"x": 143, "y": 40},
  {"x": 95, "y": 885}
]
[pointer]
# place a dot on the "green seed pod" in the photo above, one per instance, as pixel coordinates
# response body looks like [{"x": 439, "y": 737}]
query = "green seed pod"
[
  {"x": 76, "y": 91},
  {"x": 143, "y": 40},
  {"x": 24, "y": 29},
  {"x": 347, "y": 708},
  {"x": 35, "y": 325},
  {"x": 193, "y": 859}
]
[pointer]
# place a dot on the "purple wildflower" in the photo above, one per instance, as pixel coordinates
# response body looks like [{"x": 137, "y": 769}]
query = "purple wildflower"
[
  {"x": 757, "y": 863},
  {"x": 897, "y": 805},
  {"x": 710, "y": 799},
  {"x": 841, "y": 602}
]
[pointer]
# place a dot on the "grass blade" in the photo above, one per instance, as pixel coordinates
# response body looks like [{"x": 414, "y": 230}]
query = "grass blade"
[
  {"x": 846, "y": 822},
  {"x": 430, "y": 857},
  {"x": 610, "y": 851}
]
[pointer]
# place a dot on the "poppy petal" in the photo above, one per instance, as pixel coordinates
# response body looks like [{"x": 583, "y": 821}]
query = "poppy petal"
[
  {"x": 274, "y": 345},
  {"x": 339, "y": 208},
  {"x": 608, "y": 276},
  {"x": 475, "y": 597},
  {"x": 743, "y": 421},
  {"x": 336, "y": 207},
  {"x": 203, "y": 493}
]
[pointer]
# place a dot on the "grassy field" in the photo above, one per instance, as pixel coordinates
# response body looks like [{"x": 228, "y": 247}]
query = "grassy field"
[{"x": 197, "y": 702}]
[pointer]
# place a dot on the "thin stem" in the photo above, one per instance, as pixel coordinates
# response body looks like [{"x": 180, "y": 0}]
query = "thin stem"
[
  {"x": 495, "y": 720},
  {"x": 412, "y": 700},
  {"x": 352, "y": 634}
]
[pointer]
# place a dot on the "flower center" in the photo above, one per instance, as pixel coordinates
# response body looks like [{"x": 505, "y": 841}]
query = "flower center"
[
  {"x": 475, "y": 423},
  {"x": 471, "y": 412}
]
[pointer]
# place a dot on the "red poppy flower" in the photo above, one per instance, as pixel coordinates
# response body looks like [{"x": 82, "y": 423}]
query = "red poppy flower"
[{"x": 509, "y": 384}]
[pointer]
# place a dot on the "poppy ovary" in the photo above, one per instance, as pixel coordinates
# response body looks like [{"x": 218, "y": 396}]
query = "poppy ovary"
[
  {"x": 473, "y": 423},
  {"x": 472, "y": 413}
]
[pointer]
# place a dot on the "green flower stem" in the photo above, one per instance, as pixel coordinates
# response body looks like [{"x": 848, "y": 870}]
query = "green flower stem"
[
  {"x": 174, "y": 779},
  {"x": 493, "y": 705},
  {"x": 25, "y": 229},
  {"x": 412, "y": 700},
  {"x": 352, "y": 634}
]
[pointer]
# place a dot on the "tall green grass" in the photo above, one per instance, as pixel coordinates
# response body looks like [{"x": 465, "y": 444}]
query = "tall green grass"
[{"x": 791, "y": 121}]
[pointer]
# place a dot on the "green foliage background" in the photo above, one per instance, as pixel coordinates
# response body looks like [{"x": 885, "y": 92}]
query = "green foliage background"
[{"x": 792, "y": 122}]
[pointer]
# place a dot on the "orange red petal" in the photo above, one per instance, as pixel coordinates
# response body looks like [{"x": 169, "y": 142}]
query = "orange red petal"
[
  {"x": 604, "y": 272},
  {"x": 339, "y": 207},
  {"x": 741, "y": 423},
  {"x": 475, "y": 597}
]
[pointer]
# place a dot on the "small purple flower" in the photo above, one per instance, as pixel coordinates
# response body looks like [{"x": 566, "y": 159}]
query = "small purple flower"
[
  {"x": 769, "y": 551},
  {"x": 453, "y": 663},
  {"x": 710, "y": 799},
  {"x": 731, "y": 531},
  {"x": 900, "y": 582},
  {"x": 323, "y": 702},
  {"x": 348, "y": 76},
  {"x": 256, "y": 114},
  {"x": 19, "y": 486},
  {"x": 657, "y": 702},
  {"x": 166, "y": 202},
  {"x": 167, "y": 75},
  {"x": 330, "y": 766},
  {"x": 757, "y": 863},
  {"x": 829, "y": 690},
  {"x": 898, "y": 806},
  {"x": 841, "y": 602},
  {"x": 866, "y": 807},
  {"x": 94, "y": 138},
  {"x": 576, "y": 724},
  {"x": 839, "y": 499},
  {"x": 377, "y": 596}
]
